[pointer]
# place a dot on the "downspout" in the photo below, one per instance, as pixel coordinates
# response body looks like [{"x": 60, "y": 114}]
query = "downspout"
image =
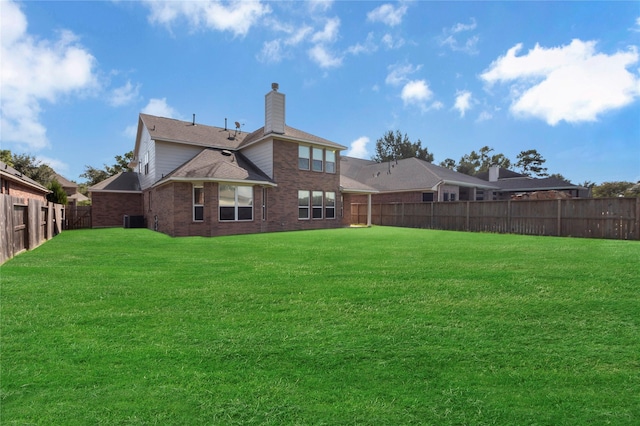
[{"x": 437, "y": 188}]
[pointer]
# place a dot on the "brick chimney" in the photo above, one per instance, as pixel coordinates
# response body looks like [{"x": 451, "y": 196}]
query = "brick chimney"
[
  {"x": 494, "y": 173},
  {"x": 274, "y": 111}
]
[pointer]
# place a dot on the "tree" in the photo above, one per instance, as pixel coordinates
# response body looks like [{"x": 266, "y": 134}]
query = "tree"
[
  {"x": 393, "y": 146},
  {"x": 559, "y": 176},
  {"x": 616, "y": 189},
  {"x": 5, "y": 157},
  {"x": 57, "y": 194},
  {"x": 32, "y": 168},
  {"x": 530, "y": 162},
  {"x": 475, "y": 162},
  {"x": 95, "y": 176},
  {"x": 449, "y": 163}
]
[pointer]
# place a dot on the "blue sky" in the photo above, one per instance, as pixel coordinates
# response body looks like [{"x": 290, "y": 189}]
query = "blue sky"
[{"x": 559, "y": 77}]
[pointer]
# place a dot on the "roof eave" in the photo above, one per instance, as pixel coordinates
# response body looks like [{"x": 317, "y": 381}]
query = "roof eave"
[{"x": 210, "y": 179}]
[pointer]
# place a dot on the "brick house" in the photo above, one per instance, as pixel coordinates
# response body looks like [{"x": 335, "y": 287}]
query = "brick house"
[
  {"x": 14, "y": 183},
  {"x": 191, "y": 179}
]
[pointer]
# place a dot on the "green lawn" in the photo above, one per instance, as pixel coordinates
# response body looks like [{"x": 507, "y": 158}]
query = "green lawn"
[{"x": 350, "y": 326}]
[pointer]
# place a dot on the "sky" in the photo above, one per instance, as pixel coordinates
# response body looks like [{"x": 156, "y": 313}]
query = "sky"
[{"x": 562, "y": 78}]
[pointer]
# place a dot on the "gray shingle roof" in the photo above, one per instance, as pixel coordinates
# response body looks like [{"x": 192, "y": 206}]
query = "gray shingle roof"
[
  {"x": 218, "y": 165},
  {"x": 10, "y": 173},
  {"x": 405, "y": 175},
  {"x": 169, "y": 129},
  {"x": 290, "y": 133},
  {"x": 122, "y": 182}
]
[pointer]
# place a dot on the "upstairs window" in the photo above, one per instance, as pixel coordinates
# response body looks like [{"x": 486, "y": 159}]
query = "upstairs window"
[
  {"x": 317, "y": 160},
  {"x": 236, "y": 202},
  {"x": 146, "y": 163},
  {"x": 330, "y": 161},
  {"x": 304, "y": 157},
  {"x": 198, "y": 203}
]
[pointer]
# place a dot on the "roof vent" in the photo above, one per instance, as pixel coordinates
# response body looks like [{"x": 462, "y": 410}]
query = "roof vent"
[
  {"x": 226, "y": 152},
  {"x": 275, "y": 86}
]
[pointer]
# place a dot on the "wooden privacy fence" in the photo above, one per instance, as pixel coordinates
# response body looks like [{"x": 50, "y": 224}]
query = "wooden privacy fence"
[
  {"x": 613, "y": 218},
  {"x": 77, "y": 217},
  {"x": 26, "y": 223}
]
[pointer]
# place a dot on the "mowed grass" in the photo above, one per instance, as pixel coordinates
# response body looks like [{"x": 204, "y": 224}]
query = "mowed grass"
[{"x": 338, "y": 327}]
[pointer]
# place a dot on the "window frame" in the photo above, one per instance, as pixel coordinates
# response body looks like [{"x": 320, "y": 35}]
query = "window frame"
[
  {"x": 328, "y": 207},
  {"x": 197, "y": 206},
  {"x": 302, "y": 158},
  {"x": 317, "y": 152},
  {"x": 317, "y": 210},
  {"x": 331, "y": 169},
  {"x": 302, "y": 206},
  {"x": 238, "y": 207}
]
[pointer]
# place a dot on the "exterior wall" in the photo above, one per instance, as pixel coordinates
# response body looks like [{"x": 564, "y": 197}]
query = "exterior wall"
[
  {"x": 109, "y": 208},
  {"x": 262, "y": 156},
  {"x": 16, "y": 189},
  {"x": 282, "y": 201},
  {"x": 147, "y": 147},
  {"x": 169, "y": 156}
]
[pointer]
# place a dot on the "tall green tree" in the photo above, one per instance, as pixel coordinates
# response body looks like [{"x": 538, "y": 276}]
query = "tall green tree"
[
  {"x": 95, "y": 175},
  {"x": 616, "y": 189},
  {"x": 475, "y": 162},
  {"x": 449, "y": 163},
  {"x": 57, "y": 194},
  {"x": 530, "y": 162},
  {"x": 393, "y": 146},
  {"x": 32, "y": 168}
]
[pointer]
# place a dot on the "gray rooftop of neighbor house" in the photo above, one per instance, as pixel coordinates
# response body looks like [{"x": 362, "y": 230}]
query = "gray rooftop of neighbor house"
[
  {"x": 122, "y": 182},
  {"x": 220, "y": 166},
  {"x": 508, "y": 180},
  {"x": 408, "y": 174},
  {"x": 64, "y": 182},
  {"x": 8, "y": 172}
]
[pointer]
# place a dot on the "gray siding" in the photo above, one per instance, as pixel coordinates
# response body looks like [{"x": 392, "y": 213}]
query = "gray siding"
[{"x": 262, "y": 156}]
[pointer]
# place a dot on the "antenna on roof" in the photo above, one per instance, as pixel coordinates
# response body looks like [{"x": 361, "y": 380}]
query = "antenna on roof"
[{"x": 237, "y": 127}]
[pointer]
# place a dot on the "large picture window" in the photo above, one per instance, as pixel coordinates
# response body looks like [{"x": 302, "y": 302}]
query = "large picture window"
[
  {"x": 198, "y": 203},
  {"x": 236, "y": 202},
  {"x": 317, "y": 160},
  {"x": 304, "y": 157},
  {"x": 330, "y": 205},
  {"x": 317, "y": 204},
  {"x": 303, "y": 204}
]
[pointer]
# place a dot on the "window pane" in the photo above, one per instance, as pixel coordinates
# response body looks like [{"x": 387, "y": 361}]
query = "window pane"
[
  {"x": 198, "y": 195},
  {"x": 303, "y": 198},
  {"x": 245, "y": 196},
  {"x": 427, "y": 196},
  {"x": 227, "y": 195},
  {"x": 227, "y": 213},
  {"x": 317, "y": 212},
  {"x": 317, "y": 198},
  {"x": 330, "y": 213},
  {"x": 317, "y": 160},
  {"x": 303, "y": 213},
  {"x": 245, "y": 213},
  {"x": 330, "y": 198},
  {"x": 198, "y": 213},
  {"x": 330, "y": 167}
]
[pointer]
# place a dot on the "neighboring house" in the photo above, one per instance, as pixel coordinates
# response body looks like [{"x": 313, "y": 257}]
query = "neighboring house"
[
  {"x": 71, "y": 189},
  {"x": 14, "y": 183},
  {"x": 512, "y": 184},
  {"x": 192, "y": 179},
  {"x": 409, "y": 180}
]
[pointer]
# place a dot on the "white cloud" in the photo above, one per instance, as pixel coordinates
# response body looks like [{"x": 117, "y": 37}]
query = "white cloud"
[
  {"x": 329, "y": 33},
  {"x": 392, "y": 42},
  {"x": 454, "y": 39},
  {"x": 369, "y": 46},
  {"x": 416, "y": 92},
  {"x": 388, "y": 14},
  {"x": 636, "y": 27},
  {"x": 325, "y": 59},
  {"x": 271, "y": 52},
  {"x": 33, "y": 71},
  {"x": 399, "y": 73},
  {"x": 316, "y": 6},
  {"x": 124, "y": 95},
  {"x": 234, "y": 16},
  {"x": 484, "y": 116},
  {"x": 358, "y": 148},
  {"x": 160, "y": 108},
  {"x": 573, "y": 83},
  {"x": 463, "y": 102}
]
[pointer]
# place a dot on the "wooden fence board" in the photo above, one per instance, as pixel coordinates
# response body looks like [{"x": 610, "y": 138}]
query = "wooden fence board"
[{"x": 613, "y": 218}]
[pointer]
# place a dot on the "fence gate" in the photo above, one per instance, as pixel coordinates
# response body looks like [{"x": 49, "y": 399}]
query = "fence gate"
[{"x": 77, "y": 217}]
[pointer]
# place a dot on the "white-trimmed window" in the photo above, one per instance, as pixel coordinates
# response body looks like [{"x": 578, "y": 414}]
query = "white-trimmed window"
[
  {"x": 330, "y": 161},
  {"x": 304, "y": 157},
  {"x": 198, "y": 203},
  {"x": 317, "y": 204},
  {"x": 236, "y": 202},
  {"x": 330, "y": 205},
  {"x": 146, "y": 163},
  {"x": 317, "y": 160},
  {"x": 303, "y": 204}
]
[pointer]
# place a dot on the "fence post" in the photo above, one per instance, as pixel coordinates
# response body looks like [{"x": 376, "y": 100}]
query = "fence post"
[
  {"x": 508, "y": 216},
  {"x": 637, "y": 221},
  {"x": 559, "y": 220},
  {"x": 467, "y": 218}
]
